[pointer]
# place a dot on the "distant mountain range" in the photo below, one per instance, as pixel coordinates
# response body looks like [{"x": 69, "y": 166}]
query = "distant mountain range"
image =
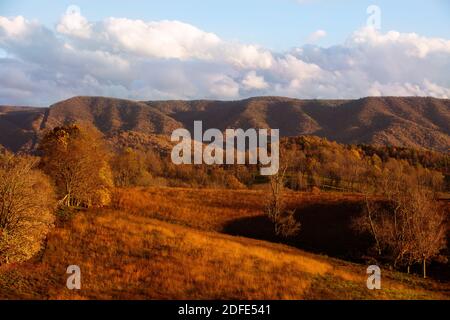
[{"x": 420, "y": 122}]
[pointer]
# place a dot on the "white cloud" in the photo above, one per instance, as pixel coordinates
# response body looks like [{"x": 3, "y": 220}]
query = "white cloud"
[
  {"x": 247, "y": 56},
  {"x": 316, "y": 36},
  {"x": 13, "y": 27},
  {"x": 253, "y": 81},
  {"x": 411, "y": 43},
  {"x": 223, "y": 86},
  {"x": 178, "y": 40},
  {"x": 409, "y": 89},
  {"x": 175, "y": 60},
  {"x": 164, "y": 39},
  {"x": 74, "y": 24}
]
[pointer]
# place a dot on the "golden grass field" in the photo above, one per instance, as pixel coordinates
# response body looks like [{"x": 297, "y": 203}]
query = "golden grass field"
[{"x": 170, "y": 243}]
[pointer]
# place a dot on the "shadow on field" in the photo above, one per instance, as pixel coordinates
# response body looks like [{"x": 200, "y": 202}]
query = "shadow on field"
[{"x": 325, "y": 229}]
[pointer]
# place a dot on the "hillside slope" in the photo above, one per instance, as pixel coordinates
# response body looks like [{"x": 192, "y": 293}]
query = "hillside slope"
[
  {"x": 167, "y": 253},
  {"x": 407, "y": 121},
  {"x": 19, "y": 126}
]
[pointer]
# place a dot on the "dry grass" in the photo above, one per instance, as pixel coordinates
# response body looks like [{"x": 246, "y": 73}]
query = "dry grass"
[
  {"x": 132, "y": 254},
  {"x": 209, "y": 209}
]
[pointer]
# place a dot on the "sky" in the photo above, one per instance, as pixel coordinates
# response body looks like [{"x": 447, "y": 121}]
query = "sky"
[{"x": 144, "y": 50}]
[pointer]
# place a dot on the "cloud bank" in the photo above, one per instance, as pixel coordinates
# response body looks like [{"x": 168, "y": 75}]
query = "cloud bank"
[{"x": 142, "y": 60}]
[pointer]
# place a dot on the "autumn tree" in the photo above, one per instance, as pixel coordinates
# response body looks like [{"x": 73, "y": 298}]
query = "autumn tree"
[
  {"x": 26, "y": 206},
  {"x": 405, "y": 219},
  {"x": 282, "y": 218},
  {"x": 77, "y": 161},
  {"x": 428, "y": 229},
  {"x": 129, "y": 168}
]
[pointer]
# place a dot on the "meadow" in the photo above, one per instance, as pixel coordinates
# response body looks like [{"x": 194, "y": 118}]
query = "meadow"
[{"x": 175, "y": 243}]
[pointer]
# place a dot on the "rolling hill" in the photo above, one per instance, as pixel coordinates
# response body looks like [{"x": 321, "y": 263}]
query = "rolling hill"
[
  {"x": 172, "y": 243},
  {"x": 420, "y": 122}
]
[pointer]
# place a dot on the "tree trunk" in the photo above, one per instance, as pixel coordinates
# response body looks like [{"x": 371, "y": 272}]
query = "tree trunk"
[
  {"x": 408, "y": 270},
  {"x": 424, "y": 267},
  {"x": 369, "y": 212}
]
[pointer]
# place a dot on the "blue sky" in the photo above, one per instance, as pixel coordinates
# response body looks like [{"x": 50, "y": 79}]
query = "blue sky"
[
  {"x": 204, "y": 49},
  {"x": 274, "y": 24}
]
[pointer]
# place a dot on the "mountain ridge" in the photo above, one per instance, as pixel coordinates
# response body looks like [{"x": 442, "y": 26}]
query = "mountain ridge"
[{"x": 419, "y": 122}]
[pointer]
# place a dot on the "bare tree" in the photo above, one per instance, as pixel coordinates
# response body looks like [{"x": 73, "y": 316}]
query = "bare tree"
[
  {"x": 427, "y": 228},
  {"x": 283, "y": 219},
  {"x": 406, "y": 223},
  {"x": 26, "y": 205}
]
